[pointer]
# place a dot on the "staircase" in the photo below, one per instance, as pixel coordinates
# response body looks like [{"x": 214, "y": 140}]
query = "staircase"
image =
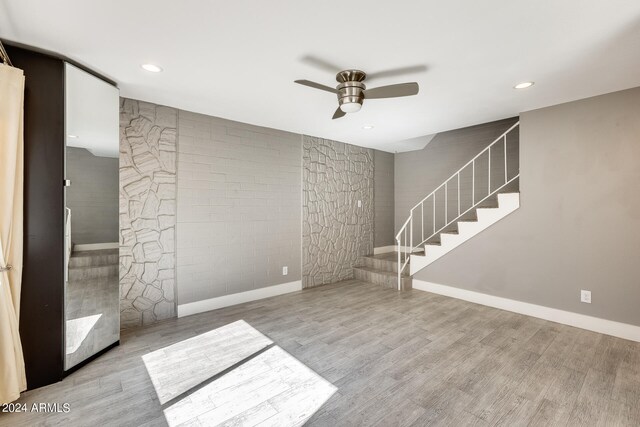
[
  {"x": 479, "y": 194},
  {"x": 87, "y": 265},
  {"x": 501, "y": 205},
  {"x": 382, "y": 269}
]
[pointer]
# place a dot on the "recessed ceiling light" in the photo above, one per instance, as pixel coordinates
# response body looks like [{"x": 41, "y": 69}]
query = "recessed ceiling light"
[
  {"x": 523, "y": 85},
  {"x": 72, "y": 136},
  {"x": 151, "y": 68},
  {"x": 367, "y": 127}
]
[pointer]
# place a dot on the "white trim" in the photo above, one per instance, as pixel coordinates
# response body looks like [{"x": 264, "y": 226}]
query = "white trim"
[
  {"x": 239, "y": 298},
  {"x": 96, "y": 246},
  {"x": 590, "y": 323},
  {"x": 384, "y": 249}
]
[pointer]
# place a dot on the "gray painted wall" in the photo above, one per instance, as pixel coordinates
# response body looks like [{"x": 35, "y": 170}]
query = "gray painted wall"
[
  {"x": 578, "y": 226},
  {"x": 239, "y": 203},
  {"x": 335, "y": 231},
  {"x": 418, "y": 173},
  {"x": 92, "y": 197},
  {"x": 147, "y": 212},
  {"x": 383, "y": 199}
]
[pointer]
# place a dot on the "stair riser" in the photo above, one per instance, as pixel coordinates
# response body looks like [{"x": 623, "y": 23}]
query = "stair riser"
[
  {"x": 478, "y": 213},
  {"x": 93, "y": 261},
  {"x": 379, "y": 264},
  {"x": 382, "y": 279},
  {"x": 92, "y": 272}
]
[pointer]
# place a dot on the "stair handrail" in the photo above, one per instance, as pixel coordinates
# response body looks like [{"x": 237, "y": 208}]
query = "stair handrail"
[{"x": 408, "y": 224}]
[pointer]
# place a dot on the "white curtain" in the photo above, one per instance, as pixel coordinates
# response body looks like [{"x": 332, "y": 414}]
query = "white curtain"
[{"x": 12, "y": 374}]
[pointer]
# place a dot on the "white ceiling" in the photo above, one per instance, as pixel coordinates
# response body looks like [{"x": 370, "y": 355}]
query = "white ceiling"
[{"x": 238, "y": 59}]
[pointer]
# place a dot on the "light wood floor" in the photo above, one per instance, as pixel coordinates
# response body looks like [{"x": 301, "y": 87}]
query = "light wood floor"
[{"x": 410, "y": 358}]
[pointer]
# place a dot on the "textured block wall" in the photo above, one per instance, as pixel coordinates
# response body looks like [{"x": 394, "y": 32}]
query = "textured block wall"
[
  {"x": 239, "y": 207},
  {"x": 147, "y": 212},
  {"x": 335, "y": 230}
]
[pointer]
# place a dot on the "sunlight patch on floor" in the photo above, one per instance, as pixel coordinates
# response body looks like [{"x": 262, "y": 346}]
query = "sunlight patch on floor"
[
  {"x": 178, "y": 368},
  {"x": 265, "y": 387}
]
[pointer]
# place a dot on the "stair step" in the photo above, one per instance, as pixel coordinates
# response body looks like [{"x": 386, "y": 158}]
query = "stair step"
[
  {"x": 509, "y": 202},
  {"x": 512, "y": 187},
  {"x": 388, "y": 279},
  {"x": 386, "y": 262},
  {"x": 94, "y": 258},
  {"x": 490, "y": 203},
  {"x": 94, "y": 272},
  {"x": 471, "y": 216},
  {"x": 450, "y": 229}
]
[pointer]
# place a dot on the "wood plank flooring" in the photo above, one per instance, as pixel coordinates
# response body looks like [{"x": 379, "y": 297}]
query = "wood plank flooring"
[{"x": 406, "y": 359}]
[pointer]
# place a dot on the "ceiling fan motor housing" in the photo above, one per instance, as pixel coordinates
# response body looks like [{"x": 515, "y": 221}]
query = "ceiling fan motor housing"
[{"x": 351, "y": 88}]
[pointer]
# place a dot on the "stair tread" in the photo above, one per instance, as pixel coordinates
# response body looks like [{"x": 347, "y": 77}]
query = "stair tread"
[
  {"x": 383, "y": 272},
  {"x": 387, "y": 256},
  {"x": 86, "y": 267},
  {"x": 98, "y": 252}
]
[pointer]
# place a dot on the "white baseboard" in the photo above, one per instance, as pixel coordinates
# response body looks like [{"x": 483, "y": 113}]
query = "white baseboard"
[
  {"x": 96, "y": 246},
  {"x": 239, "y": 298},
  {"x": 595, "y": 324}
]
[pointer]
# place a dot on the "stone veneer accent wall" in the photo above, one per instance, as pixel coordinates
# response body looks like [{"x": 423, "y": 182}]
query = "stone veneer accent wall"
[
  {"x": 335, "y": 231},
  {"x": 147, "y": 212}
]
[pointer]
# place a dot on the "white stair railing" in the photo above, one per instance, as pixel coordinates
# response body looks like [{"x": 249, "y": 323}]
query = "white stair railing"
[{"x": 404, "y": 238}]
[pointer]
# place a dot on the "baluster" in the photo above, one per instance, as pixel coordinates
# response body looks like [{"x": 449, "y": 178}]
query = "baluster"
[
  {"x": 489, "y": 178},
  {"x": 433, "y": 199},
  {"x": 473, "y": 182},
  {"x": 400, "y": 266},
  {"x": 458, "y": 193},
  {"x": 446, "y": 202},
  {"x": 422, "y": 220},
  {"x": 505, "y": 159},
  {"x": 411, "y": 233}
]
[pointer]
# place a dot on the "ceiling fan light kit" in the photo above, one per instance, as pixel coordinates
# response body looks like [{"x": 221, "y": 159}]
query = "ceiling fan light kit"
[{"x": 352, "y": 92}]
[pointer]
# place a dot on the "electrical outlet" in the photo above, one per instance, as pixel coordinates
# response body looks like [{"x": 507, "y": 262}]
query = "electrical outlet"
[
  {"x": 585, "y": 296},
  {"x": 359, "y": 203},
  {"x": 285, "y": 270}
]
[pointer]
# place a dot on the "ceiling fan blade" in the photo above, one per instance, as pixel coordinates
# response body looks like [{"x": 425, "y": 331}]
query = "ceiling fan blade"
[
  {"x": 321, "y": 64},
  {"x": 392, "y": 91},
  {"x": 395, "y": 72},
  {"x": 316, "y": 85},
  {"x": 339, "y": 113}
]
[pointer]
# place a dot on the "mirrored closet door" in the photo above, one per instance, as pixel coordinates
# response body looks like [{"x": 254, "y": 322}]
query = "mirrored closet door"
[{"x": 92, "y": 314}]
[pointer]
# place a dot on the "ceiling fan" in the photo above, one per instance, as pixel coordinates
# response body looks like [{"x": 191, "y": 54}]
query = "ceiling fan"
[{"x": 351, "y": 91}]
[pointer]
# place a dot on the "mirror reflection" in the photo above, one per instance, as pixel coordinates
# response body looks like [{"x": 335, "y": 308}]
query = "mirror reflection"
[{"x": 92, "y": 316}]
